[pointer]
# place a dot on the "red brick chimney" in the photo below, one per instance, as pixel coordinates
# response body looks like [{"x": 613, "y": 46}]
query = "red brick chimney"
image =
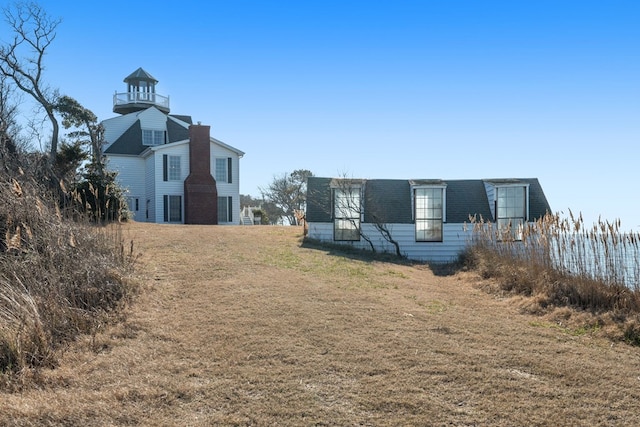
[{"x": 200, "y": 193}]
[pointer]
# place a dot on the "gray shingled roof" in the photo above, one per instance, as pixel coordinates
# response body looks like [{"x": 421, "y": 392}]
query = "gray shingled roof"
[
  {"x": 130, "y": 142},
  {"x": 318, "y": 199},
  {"x": 466, "y": 198},
  {"x": 386, "y": 201},
  {"x": 140, "y": 74},
  {"x": 389, "y": 200},
  {"x": 175, "y": 132},
  {"x": 186, "y": 119}
]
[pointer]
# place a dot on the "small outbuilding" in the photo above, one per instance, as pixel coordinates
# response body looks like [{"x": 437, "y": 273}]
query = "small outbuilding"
[{"x": 428, "y": 219}]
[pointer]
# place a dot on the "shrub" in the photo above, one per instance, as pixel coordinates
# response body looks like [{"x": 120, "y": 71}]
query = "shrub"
[
  {"x": 58, "y": 277},
  {"x": 565, "y": 264}
]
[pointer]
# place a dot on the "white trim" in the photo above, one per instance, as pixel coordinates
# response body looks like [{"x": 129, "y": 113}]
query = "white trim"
[{"x": 443, "y": 186}]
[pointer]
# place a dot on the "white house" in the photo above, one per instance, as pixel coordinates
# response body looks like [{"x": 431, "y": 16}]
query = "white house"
[
  {"x": 173, "y": 171},
  {"x": 426, "y": 217}
]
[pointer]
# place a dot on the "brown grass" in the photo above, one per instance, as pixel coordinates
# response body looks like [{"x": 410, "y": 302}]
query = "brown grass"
[{"x": 244, "y": 326}]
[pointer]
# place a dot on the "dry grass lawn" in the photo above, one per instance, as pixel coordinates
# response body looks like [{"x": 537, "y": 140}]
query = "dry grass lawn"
[{"x": 243, "y": 326}]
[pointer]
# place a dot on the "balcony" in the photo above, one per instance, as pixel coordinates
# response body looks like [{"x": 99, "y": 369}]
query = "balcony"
[{"x": 128, "y": 102}]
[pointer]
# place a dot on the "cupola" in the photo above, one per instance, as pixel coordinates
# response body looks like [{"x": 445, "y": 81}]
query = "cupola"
[{"x": 140, "y": 95}]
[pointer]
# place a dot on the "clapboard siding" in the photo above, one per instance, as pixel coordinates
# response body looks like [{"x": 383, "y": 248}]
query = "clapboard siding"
[
  {"x": 115, "y": 127},
  {"x": 169, "y": 188},
  {"x": 153, "y": 118},
  {"x": 131, "y": 178},
  {"x": 130, "y": 173},
  {"x": 455, "y": 240},
  {"x": 150, "y": 201},
  {"x": 226, "y": 189}
]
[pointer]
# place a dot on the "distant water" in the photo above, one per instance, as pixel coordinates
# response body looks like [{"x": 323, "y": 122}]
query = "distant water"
[{"x": 610, "y": 262}]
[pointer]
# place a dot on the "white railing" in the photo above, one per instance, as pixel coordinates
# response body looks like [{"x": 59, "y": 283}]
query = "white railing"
[{"x": 140, "y": 98}]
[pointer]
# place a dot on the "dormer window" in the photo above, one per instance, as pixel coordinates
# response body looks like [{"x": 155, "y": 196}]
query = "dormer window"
[
  {"x": 429, "y": 202},
  {"x": 511, "y": 211},
  {"x": 347, "y": 211},
  {"x": 152, "y": 137}
]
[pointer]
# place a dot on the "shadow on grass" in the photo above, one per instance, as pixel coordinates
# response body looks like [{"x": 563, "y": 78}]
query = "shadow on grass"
[{"x": 364, "y": 255}]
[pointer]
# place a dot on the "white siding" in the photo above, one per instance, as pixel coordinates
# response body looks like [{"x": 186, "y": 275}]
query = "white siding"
[
  {"x": 228, "y": 189},
  {"x": 115, "y": 127},
  {"x": 172, "y": 188},
  {"x": 131, "y": 178},
  {"x": 152, "y": 118},
  {"x": 455, "y": 239},
  {"x": 150, "y": 193}
]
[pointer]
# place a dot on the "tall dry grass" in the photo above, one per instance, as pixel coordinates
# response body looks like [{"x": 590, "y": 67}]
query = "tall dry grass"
[
  {"x": 59, "y": 277},
  {"x": 565, "y": 264}
]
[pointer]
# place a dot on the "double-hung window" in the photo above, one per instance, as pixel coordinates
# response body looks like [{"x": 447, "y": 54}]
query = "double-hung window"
[
  {"x": 223, "y": 169},
  {"x": 172, "y": 208},
  {"x": 511, "y": 211},
  {"x": 171, "y": 168},
  {"x": 429, "y": 213},
  {"x": 152, "y": 137},
  {"x": 347, "y": 209},
  {"x": 225, "y": 209}
]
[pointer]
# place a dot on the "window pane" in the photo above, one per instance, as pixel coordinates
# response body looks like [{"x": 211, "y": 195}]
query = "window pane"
[
  {"x": 346, "y": 229},
  {"x": 158, "y": 137},
  {"x": 221, "y": 170},
  {"x": 175, "y": 208},
  {"x": 347, "y": 203},
  {"x": 222, "y": 209},
  {"x": 346, "y": 214},
  {"x": 147, "y": 138},
  {"x": 174, "y": 168},
  {"x": 428, "y": 214}
]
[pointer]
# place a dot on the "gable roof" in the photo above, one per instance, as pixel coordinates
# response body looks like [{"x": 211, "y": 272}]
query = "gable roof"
[{"x": 389, "y": 200}]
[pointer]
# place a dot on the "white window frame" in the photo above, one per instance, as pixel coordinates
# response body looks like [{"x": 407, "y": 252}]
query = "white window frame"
[
  {"x": 426, "y": 219},
  {"x": 347, "y": 217},
  {"x": 509, "y": 222},
  {"x": 152, "y": 137}
]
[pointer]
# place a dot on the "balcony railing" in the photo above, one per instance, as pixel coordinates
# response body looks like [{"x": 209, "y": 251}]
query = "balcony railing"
[{"x": 141, "y": 98}]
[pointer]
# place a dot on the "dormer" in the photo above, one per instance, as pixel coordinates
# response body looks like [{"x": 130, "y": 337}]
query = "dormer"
[{"x": 140, "y": 95}]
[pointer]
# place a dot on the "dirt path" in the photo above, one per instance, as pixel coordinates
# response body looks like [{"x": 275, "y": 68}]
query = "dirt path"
[{"x": 242, "y": 326}]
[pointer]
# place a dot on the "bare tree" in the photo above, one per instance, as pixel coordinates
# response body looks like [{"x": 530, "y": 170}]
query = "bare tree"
[
  {"x": 348, "y": 210},
  {"x": 354, "y": 206},
  {"x": 288, "y": 192},
  {"x": 21, "y": 59}
]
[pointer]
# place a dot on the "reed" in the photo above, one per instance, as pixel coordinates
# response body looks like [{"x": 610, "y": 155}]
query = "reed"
[
  {"x": 61, "y": 275},
  {"x": 563, "y": 261}
]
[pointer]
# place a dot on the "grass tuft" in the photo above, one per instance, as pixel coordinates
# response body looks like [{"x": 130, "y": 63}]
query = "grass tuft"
[
  {"x": 60, "y": 276},
  {"x": 562, "y": 263}
]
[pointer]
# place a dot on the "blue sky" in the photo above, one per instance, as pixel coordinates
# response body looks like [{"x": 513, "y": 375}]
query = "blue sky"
[{"x": 377, "y": 89}]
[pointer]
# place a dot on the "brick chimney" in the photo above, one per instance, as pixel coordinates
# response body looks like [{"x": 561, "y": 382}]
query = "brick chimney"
[{"x": 200, "y": 193}]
